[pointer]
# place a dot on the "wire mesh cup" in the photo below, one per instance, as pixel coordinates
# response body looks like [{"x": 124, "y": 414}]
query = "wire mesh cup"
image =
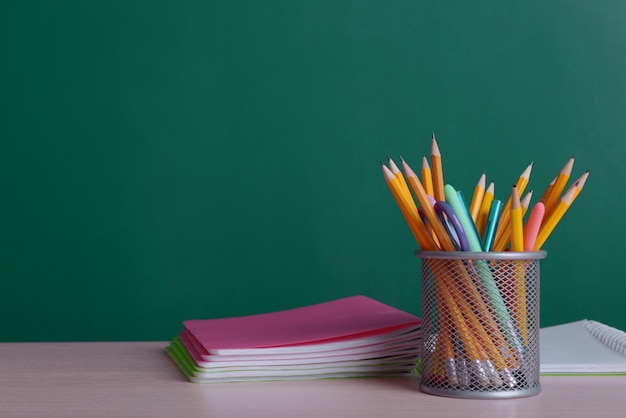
[{"x": 480, "y": 324}]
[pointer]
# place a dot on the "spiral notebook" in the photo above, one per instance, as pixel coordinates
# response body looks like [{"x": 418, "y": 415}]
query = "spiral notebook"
[{"x": 583, "y": 347}]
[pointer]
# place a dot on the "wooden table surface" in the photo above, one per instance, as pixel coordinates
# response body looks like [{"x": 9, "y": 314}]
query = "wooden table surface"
[{"x": 137, "y": 379}]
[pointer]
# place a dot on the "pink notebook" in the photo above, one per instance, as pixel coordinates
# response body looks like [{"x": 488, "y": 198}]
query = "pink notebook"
[{"x": 354, "y": 317}]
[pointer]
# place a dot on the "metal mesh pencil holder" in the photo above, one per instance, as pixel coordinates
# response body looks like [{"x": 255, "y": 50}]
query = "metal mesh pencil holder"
[{"x": 480, "y": 324}]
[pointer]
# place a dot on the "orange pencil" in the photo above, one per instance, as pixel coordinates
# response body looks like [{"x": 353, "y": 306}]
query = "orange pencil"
[
  {"x": 559, "y": 185},
  {"x": 477, "y": 197},
  {"x": 427, "y": 177},
  {"x": 483, "y": 213},
  {"x": 546, "y": 193},
  {"x": 398, "y": 174},
  {"x": 409, "y": 211},
  {"x": 435, "y": 159},
  {"x": 433, "y": 220}
]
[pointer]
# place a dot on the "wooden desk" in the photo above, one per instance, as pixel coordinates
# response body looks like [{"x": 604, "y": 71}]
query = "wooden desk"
[{"x": 125, "y": 379}]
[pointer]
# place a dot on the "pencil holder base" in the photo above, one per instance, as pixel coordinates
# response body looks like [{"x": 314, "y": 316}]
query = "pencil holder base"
[{"x": 472, "y": 394}]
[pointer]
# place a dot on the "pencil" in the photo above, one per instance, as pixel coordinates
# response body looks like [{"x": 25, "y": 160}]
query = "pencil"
[
  {"x": 559, "y": 185},
  {"x": 553, "y": 219},
  {"x": 477, "y": 197},
  {"x": 517, "y": 244},
  {"x": 517, "y": 230},
  {"x": 580, "y": 183},
  {"x": 525, "y": 202},
  {"x": 433, "y": 220},
  {"x": 546, "y": 193},
  {"x": 409, "y": 211},
  {"x": 427, "y": 177},
  {"x": 531, "y": 229},
  {"x": 474, "y": 351},
  {"x": 437, "y": 168},
  {"x": 485, "y": 207},
  {"x": 398, "y": 174},
  {"x": 503, "y": 232}
]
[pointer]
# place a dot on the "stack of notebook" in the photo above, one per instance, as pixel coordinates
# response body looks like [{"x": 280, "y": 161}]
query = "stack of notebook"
[{"x": 350, "y": 337}]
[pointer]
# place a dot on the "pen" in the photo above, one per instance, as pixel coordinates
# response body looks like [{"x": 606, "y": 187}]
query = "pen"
[
  {"x": 494, "y": 215},
  {"x": 531, "y": 229}
]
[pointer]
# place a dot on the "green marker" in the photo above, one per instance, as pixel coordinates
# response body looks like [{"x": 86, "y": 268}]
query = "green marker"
[{"x": 484, "y": 273}]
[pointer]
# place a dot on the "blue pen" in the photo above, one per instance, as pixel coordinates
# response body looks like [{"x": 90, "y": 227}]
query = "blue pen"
[{"x": 492, "y": 223}]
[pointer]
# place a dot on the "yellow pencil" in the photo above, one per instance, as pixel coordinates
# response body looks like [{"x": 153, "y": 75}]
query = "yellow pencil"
[
  {"x": 517, "y": 226},
  {"x": 477, "y": 197},
  {"x": 409, "y": 211},
  {"x": 472, "y": 349},
  {"x": 433, "y": 220},
  {"x": 483, "y": 213},
  {"x": 548, "y": 226},
  {"x": 437, "y": 168},
  {"x": 580, "y": 183},
  {"x": 559, "y": 185},
  {"x": 525, "y": 202},
  {"x": 463, "y": 289},
  {"x": 398, "y": 174},
  {"x": 503, "y": 230},
  {"x": 427, "y": 177}
]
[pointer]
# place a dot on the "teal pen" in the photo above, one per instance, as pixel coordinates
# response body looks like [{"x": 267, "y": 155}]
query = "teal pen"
[
  {"x": 452, "y": 198},
  {"x": 492, "y": 223},
  {"x": 468, "y": 216},
  {"x": 481, "y": 269}
]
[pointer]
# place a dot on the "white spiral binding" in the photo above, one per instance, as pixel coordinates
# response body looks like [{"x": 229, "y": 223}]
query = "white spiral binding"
[{"x": 612, "y": 337}]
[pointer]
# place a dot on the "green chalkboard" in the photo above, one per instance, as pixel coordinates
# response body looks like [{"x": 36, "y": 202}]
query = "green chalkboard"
[{"x": 163, "y": 161}]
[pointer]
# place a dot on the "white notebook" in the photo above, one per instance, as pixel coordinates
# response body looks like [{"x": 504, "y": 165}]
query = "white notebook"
[{"x": 582, "y": 347}]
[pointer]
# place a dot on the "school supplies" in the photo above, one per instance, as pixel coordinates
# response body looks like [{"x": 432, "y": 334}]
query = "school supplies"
[
  {"x": 480, "y": 276},
  {"x": 413, "y": 195},
  {"x": 350, "y": 337},
  {"x": 583, "y": 347}
]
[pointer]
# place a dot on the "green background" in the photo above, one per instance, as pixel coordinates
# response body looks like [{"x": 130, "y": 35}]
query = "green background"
[{"x": 169, "y": 160}]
